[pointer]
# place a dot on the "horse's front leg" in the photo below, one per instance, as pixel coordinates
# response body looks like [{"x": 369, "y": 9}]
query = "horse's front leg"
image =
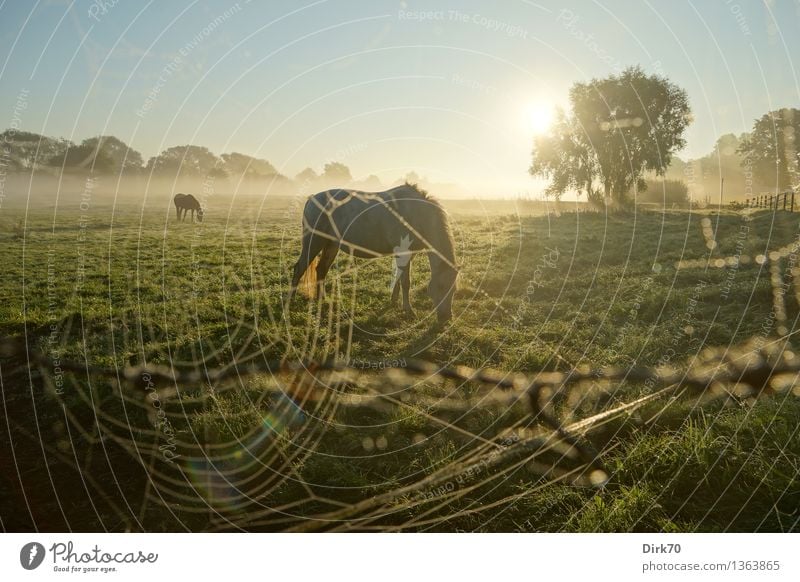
[
  {"x": 405, "y": 282},
  {"x": 395, "y": 286}
]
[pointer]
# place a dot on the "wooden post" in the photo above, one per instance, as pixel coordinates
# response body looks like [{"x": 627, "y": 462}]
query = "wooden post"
[
  {"x": 784, "y": 200},
  {"x": 792, "y": 208}
]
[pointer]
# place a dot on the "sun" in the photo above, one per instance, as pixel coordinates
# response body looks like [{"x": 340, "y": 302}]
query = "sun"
[{"x": 539, "y": 117}]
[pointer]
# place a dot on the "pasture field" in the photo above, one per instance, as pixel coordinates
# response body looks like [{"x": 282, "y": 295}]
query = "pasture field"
[{"x": 110, "y": 287}]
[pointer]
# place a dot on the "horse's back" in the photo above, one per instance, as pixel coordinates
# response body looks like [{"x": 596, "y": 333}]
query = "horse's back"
[
  {"x": 365, "y": 224},
  {"x": 186, "y": 201}
]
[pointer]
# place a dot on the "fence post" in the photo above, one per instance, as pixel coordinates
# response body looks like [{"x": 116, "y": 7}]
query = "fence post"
[
  {"x": 784, "y": 200},
  {"x": 792, "y": 210}
]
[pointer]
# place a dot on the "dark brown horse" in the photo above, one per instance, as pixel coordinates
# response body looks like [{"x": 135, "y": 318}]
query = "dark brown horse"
[
  {"x": 402, "y": 222},
  {"x": 186, "y": 202}
]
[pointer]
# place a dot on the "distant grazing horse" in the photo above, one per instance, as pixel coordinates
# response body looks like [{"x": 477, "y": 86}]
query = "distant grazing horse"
[
  {"x": 187, "y": 202},
  {"x": 400, "y": 222}
]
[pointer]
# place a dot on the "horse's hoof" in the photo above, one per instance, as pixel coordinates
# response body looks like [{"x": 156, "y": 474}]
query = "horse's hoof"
[{"x": 408, "y": 312}]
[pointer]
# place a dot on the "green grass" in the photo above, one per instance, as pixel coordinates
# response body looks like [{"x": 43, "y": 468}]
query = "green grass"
[{"x": 536, "y": 293}]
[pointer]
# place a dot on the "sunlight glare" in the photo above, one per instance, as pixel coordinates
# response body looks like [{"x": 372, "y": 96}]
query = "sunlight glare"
[{"x": 540, "y": 117}]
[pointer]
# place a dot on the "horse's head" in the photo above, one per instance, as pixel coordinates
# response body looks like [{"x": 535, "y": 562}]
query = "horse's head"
[
  {"x": 441, "y": 290},
  {"x": 200, "y": 215}
]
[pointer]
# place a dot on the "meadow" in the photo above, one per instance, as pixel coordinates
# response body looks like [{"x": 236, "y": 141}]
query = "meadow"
[{"x": 111, "y": 286}]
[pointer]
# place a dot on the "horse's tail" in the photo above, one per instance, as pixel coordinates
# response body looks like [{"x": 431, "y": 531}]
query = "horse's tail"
[{"x": 308, "y": 282}]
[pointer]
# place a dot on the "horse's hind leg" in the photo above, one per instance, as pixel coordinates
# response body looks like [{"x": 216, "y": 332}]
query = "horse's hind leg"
[
  {"x": 405, "y": 282},
  {"x": 312, "y": 245},
  {"x": 396, "y": 287},
  {"x": 326, "y": 259}
]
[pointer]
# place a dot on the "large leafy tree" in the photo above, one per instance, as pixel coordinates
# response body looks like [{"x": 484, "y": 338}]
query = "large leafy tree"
[
  {"x": 772, "y": 149},
  {"x": 187, "y": 160},
  {"x": 619, "y": 129}
]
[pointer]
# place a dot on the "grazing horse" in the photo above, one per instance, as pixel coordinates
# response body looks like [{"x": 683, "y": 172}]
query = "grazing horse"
[
  {"x": 187, "y": 202},
  {"x": 401, "y": 222}
]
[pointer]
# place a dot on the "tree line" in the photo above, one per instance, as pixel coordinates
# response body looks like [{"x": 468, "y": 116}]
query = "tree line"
[{"x": 108, "y": 155}]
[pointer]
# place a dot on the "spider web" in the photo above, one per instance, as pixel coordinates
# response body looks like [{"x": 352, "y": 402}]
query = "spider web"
[{"x": 219, "y": 434}]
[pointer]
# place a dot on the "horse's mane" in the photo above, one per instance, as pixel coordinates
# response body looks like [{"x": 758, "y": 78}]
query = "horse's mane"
[
  {"x": 448, "y": 241},
  {"x": 424, "y": 193}
]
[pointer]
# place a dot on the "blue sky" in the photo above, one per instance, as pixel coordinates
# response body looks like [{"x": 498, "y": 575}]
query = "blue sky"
[{"x": 443, "y": 88}]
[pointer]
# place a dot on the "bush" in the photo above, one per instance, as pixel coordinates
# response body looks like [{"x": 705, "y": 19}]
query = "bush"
[{"x": 666, "y": 192}]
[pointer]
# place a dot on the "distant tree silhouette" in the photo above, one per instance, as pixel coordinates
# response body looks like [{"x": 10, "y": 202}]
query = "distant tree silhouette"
[
  {"x": 27, "y": 151},
  {"x": 121, "y": 156},
  {"x": 101, "y": 154},
  {"x": 186, "y": 160},
  {"x": 82, "y": 157},
  {"x": 371, "y": 183},
  {"x": 336, "y": 172},
  {"x": 772, "y": 148},
  {"x": 619, "y": 129},
  {"x": 307, "y": 176},
  {"x": 242, "y": 165}
]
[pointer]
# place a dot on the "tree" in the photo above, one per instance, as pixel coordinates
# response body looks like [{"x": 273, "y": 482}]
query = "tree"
[
  {"x": 188, "y": 160},
  {"x": 771, "y": 149},
  {"x": 565, "y": 159},
  {"x": 237, "y": 164},
  {"x": 337, "y": 172},
  {"x": 619, "y": 129},
  {"x": 371, "y": 183},
  {"x": 82, "y": 157},
  {"x": 121, "y": 156},
  {"x": 101, "y": 154},
  {"x": 307, "y": 176},
  {"x": 27, "y": 151}
]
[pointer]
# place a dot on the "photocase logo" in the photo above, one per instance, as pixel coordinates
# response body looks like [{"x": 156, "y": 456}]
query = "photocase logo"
[
  {"x": 31, "y": 555},
  {"x": 402, "y": 256}
]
